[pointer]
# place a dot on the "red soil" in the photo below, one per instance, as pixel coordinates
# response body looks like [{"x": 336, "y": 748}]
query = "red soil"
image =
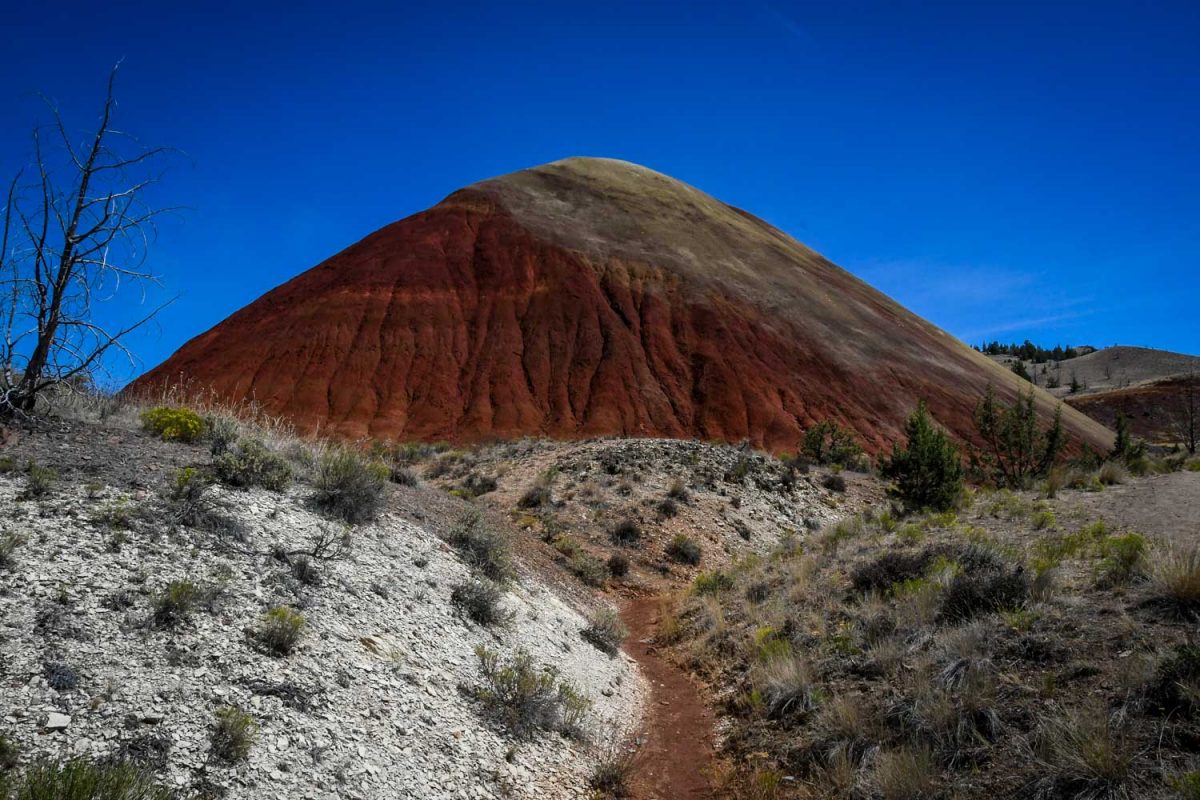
[
  {"x": 675, "y": 760},
  {"x": 586, "y": 298},
  {"x": 1155, "y": 410}
]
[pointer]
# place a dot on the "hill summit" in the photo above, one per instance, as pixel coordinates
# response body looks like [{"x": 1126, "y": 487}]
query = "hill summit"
[{"x": 588, "y": 297}]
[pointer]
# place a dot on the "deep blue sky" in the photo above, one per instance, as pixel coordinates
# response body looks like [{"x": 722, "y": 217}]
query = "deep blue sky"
[{"x": 1024, "y": 170}]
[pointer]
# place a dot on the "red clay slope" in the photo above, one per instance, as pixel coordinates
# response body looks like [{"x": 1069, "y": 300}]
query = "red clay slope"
[{"x": 587, "y": 297}]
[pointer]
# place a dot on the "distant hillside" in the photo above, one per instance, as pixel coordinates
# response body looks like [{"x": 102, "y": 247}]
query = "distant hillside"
[
  {"x": 589, "y": 297},
  {"x": 1119, "y": 367},
  {"x": 1150, "y": 387}
]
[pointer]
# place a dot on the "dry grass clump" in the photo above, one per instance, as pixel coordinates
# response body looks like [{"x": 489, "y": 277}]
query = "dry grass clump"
[
  {"x": 1175, "y": 578},
  {"x": 1112, "y": 473},
  {"x": 786, "y": 685},
  {"x": 905, "y": 773},
  {"x": 1084, "y": 754}
]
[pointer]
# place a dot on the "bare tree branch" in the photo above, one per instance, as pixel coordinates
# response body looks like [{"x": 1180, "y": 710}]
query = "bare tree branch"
[{"x": 75, "y": 246}]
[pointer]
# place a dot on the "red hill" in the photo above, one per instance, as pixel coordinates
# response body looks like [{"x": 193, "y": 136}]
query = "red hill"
[{"x": 588, "y": 297}]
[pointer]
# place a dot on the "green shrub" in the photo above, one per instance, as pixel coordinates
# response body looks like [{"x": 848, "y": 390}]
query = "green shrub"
[
  {"x": 711, "y": 582},
  {"x": 233, "y": 734},
  {"x": 251, "y": 464},
  {"x": 1044, "y": 518},
  {"x": 221, "y": 431},
  {"x": 526, "y": 699},
  {"x": 828, "y": 443},
  {"x": 605, "y": 631},
  {"x": 280, "y": 630},
  {"x": 684, "y": 549},
  {"x": 349, "y": 486},
  {"x": 484, "y": 550},
  {"x": 175, "y": 603},
  {"x": 80, "y": 779},
  {"x": 591, "y": 571},
  {"x": 888, "y": 570},
  {"x": 928, "y": 473},
  {"x": 1121, "y": 558},
  {"x": 480, "y": 601},
  {"x": 173, "y": 424}
]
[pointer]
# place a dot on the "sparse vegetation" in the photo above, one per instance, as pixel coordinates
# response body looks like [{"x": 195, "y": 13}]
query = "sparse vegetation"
[
  {"x": 480, "y": 600},
  {"x": 684, "y": 549},
  {"x": 233, "y": 734},
  {"x": 349, "y": 486},
  {"x": 606, "y": 631},
  {"x": 484, "y": 549},
  {"x": 80, "y": 779},
  {"x": 39, "y": 480},
  {"x": 527, "y": 699},
  {"x": 626, "y": 533},
  {"x": 280, "y": 630},
  {"x": 175, "y": 603}
]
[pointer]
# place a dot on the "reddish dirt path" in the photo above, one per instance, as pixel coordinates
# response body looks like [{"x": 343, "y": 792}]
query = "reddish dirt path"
[{"x": 676, "y": 756}]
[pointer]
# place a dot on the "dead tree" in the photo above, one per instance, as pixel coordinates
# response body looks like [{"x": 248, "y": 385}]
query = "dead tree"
[
  {"x": 74, "y": 234},
  {"x": 1185, "y": 416}
]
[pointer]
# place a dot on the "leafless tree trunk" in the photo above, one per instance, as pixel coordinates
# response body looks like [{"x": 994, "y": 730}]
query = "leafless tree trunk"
[
  {"x": 75, "y": 234},
  {"x": 1185, "y": 418}
]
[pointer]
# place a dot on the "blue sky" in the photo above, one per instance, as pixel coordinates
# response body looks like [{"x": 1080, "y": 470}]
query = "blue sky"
[{"x": 1007, "y": 170}]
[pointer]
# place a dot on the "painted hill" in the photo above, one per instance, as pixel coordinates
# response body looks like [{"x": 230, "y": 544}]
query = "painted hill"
[{"x": 588, "y": 297}]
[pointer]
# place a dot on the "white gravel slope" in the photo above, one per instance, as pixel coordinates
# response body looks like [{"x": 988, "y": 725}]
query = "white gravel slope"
[{"x": 383, "y": 649}]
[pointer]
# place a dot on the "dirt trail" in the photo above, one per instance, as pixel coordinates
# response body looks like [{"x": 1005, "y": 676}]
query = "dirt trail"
[{"x": 676, "y": 756}]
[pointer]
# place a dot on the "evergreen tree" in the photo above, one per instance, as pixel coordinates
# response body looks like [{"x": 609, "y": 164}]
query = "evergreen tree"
[
  {"x": 928, "y": 473},
  {"x": 1016, "y": 450}
]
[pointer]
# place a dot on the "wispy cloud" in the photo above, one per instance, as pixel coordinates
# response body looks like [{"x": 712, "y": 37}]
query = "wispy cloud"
[
  {"x": 975, "y": 302},
  {"x": 789, "y": 24}
]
